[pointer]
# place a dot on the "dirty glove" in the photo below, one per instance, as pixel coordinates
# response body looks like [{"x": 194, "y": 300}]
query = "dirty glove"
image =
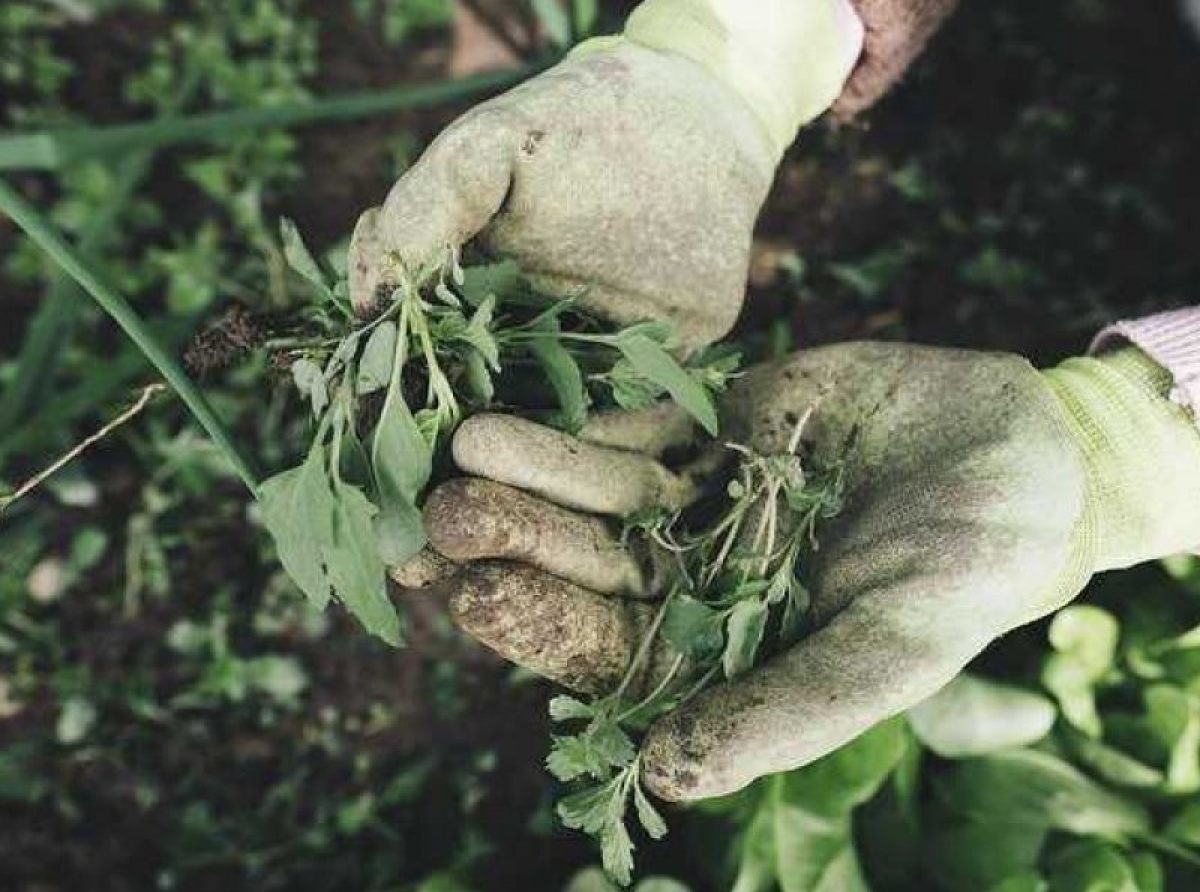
[
  {"x": 981, "y": 495},
  {"x": 631, "y": 174}
]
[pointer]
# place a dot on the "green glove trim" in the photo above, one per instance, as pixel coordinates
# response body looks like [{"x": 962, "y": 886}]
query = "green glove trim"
[
  {"x": 789, "y": 59},
  {"x": 1141, "y": 452}
]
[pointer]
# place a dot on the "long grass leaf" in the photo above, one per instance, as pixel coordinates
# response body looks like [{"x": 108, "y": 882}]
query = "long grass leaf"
[{"x": 43, "y": 234}]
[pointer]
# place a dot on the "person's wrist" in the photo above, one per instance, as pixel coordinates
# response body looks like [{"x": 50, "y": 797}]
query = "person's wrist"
[
  {"x": 787, "y": 59},
  {"x": 1141, "y": 454}
]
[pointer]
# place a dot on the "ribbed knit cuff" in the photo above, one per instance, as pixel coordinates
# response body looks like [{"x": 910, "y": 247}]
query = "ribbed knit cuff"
[{"x": 1172, "y": 340}]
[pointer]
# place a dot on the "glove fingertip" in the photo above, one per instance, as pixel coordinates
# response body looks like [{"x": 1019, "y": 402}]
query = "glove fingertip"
[{"x": 363, "y": 264}]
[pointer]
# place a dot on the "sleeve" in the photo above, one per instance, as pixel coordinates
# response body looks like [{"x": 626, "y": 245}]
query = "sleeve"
[{"x": 1172, "y": 340}]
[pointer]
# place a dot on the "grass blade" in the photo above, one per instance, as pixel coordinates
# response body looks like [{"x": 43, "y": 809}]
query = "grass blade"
[
  {"x": 39, "y": 229},
  {"x": 58, "y": 149}
]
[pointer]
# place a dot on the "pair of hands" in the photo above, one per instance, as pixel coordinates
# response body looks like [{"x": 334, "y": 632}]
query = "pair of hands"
[{"x": 632, "y": 174}]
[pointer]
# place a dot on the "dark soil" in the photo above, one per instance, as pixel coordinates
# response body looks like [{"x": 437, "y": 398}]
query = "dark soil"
[{"x": 1036, "y": 177}]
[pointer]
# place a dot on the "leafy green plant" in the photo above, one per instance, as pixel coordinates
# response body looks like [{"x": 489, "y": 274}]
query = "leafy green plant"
[
  {"x": 350, "y": 510},
  {"x": 734, "y": 596}
]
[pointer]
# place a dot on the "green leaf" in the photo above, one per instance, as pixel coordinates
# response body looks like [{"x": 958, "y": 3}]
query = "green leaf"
[
  {"x": 616, "y": 852},
  {"x": 479, "y": 378},
  {"x": 563, "y": 375},
  {"x": 1173, "y": 718},
  {"x": 651, "y": 821},
  {"x": 499, "y": 280},
  {"x": 611, "y": 744},
  {"x": 572, "y": 757},
  {"x": 399, "y": 532},
  {"x": 588, "y": 810},
  {"x": 356, "y": 568},
  {"x": 478, "y": 333},
  {"x": 300, "y": 259},
  {"x": 554, "y": 21},
  {"x": 799, "y": 837},
  {"x": 565, "y": 709},
  {"x": 375, "y": 365},
  {"x": 400, "y": 453},
  {"x": 1113, "y": 765},
  {"x": 1026, "y": 881},
  {"x": 1034, "y": 789},
  {"x": 972, "y": 717},
  {"x": 297, "y": 507},
  {"x": 1085, "y": 643},
  {"x": 692, "y": 628},
  {"x": 1092, "y": 867},
  {"x": 310, "y": 381},
  {"x": 1185, "y": 825},
  {"x": 657, "y": 365},
  {"x": 744, "y": 630}
]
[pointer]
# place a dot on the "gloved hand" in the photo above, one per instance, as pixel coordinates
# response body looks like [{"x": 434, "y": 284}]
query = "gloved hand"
[
  {"x": 631, "y": 174},
  {"x": 981, "y": 495}
]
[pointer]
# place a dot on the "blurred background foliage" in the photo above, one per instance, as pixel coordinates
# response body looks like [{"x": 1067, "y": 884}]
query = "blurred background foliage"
[{"x": 172, "y": 716}]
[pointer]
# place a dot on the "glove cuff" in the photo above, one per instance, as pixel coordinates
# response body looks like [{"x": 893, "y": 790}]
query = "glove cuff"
[
  {"x": 1141, "y": 453},
  {"x": 788, "y": 59}
]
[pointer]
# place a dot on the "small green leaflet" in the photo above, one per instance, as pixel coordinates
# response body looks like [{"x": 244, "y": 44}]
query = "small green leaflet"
[
  {"x": 563, "y": 374},
  {"x": 744, "y": 631},
  {"x": 375, "y": 366},
  {"x": 656, "y": 364},
  {"x": 692, "y": 628},
  {"x": 300, "y": 259}
]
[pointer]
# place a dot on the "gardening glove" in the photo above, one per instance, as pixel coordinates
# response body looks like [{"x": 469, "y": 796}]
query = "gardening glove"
[
  {"x": 981, "y": 495},
  {"x": 896, "y": 33},
  {"x": 630, "y": 175}
]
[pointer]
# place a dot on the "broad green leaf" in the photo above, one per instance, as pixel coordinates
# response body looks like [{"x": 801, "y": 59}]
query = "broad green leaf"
[
  {"x": 1173, "y": 717},
  {"x": 499, "y": 280},
  {"x": 1029, "y": 788},
  {"x": 400, "y": 453},
  {"x": 744, "y": 633},
  {"x": 299, "y": 258},
  {"x": 297, "y": 507},
  {"x": 399, "y": 532},
  {"x": 563, "y": 375},
  {"x": 656, "y": 364},
  {"x": 1185, "y": 825},
  {"x": 691, "y": 627},
  {"x": 356, "y": 568},
  {"x": 799, "y": 838},
  {"x": 972, "y": 716},
  {"x": 1092, "y": 867},
  {"x": 375, "y": 365}
]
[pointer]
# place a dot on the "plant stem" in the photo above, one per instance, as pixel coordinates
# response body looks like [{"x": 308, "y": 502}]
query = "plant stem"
[
  {"x": 43, "y": 234},
  {"x": 56, "y": 150},
  {"x": 148, "y": 393}
]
